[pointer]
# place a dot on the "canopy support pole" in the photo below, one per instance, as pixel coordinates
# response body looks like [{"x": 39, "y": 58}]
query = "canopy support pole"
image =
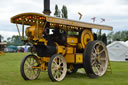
[
  {"x": 22, "y": 30},
  {"x": 18, "y": 30}
]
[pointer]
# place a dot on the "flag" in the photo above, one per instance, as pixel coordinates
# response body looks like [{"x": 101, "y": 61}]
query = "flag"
[
  {"x": 94, "y": 19},
  {"x": 80, "y": 15},
  {"x": 102, "y": 20}
]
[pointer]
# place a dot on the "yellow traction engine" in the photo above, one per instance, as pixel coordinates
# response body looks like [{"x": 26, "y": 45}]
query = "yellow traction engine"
[{"x": 60, "y": 46}]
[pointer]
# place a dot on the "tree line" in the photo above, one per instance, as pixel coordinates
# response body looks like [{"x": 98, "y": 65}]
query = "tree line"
[
  {"x": 117, "y": 36},
  {"x": 14, "y": 40}
]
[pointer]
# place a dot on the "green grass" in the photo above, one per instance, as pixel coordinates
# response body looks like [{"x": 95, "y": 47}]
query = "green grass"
[{"x": 10, "y": 74}]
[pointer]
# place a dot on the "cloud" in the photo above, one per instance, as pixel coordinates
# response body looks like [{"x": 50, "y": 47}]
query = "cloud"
[
  {"x": 7, "y": 34},
  {"x": 114, "y": 11}
]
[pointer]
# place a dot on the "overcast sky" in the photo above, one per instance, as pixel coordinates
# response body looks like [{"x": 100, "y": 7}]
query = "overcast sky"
[{"x": 115, "y": 12}]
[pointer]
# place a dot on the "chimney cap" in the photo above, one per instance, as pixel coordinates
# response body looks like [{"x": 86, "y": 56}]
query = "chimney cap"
[{"x": 47, "y": 7}]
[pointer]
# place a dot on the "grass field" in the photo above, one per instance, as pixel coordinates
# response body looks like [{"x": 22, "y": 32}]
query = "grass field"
[{"x": 10, "y": 74}]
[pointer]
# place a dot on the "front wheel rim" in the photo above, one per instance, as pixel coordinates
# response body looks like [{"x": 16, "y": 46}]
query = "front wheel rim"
[
  {"x": 30, "y": 72},
  {"x": 58, "y": 68}
]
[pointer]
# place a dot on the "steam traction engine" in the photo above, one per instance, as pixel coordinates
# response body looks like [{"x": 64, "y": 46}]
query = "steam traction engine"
[{"x": 60, "y": 46}]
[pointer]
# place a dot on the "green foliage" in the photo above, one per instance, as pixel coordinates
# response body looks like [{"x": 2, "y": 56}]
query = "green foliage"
[
  {"x": 64, "y": 12},
  {"x": 57, "y": 11},
  {"x": 118, "y": 36},
  {"x": 14, "y": 40},
  {"x": 1, "y": 37},
  {"x": 72, "y": 33},
  {"x": 109, "y": 36},
  {"x": 104, "y": 38}
]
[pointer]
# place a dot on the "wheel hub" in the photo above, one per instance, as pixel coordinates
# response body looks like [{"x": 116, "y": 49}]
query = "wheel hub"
[{"x": 30, "y": 67}]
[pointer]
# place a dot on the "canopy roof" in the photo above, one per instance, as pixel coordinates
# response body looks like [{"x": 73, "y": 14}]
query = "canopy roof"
[{"x": 32, "y": 18}]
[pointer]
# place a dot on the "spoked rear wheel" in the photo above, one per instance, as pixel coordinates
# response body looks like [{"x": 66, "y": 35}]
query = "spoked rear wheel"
[
  {"x": 28, "y": 68},
  {"x": 95, "y": 59},
  {"x": 57, "y": 67}
]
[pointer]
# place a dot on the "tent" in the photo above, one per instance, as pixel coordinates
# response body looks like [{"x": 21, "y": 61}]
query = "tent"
[{"x": 118, "y": 51}]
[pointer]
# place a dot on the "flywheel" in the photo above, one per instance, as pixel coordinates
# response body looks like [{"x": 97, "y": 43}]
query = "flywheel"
[{"x": 86, "y": 36}]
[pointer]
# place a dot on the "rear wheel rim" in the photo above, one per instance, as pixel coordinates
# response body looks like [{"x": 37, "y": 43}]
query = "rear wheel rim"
[{"x": 99, "y": 59}]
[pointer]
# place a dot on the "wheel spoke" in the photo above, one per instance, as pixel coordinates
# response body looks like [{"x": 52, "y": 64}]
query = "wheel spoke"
[
  {"x": 103, "y": 59},
  {"x": 93, "y": 58},
  {"x": 98, "y": 47},
  {"x": 34, "y": 72},
  {"x": 55, "y": 61},
  {"x": 94, "y": 50},
  {"x": 57, "y": 76},
  {"x": 60, "y": 62},
  {"x": 26, "y": 65},
  {"x": 93, "y": 62},
  {"x": 28, "y": 61},
  {"x": 94, "y": 55},
  {"x": 103, "y": 50},
  {"x": 34, "y": 62},
  {"x": 101, "y": 68},
  {"x": 98, "y": 72}
]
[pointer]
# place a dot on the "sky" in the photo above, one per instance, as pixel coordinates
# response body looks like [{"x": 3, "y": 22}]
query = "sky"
[{"x": 115, "y": 12}]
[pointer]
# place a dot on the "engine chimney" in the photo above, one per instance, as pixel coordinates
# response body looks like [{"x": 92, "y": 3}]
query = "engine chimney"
[{"x": 47, "y": 7}]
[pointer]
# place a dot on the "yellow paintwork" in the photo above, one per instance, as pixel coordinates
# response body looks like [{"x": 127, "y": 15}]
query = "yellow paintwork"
[
  {"x": 70, "y": 58},
  {"x": 43, "y": 40},
  {"x": 79, "y": 58},
  {"x": 80, "y": 46},
  {"x": 74, "y": 58},
  {"x": 72, "y": 40},
  {"x": 33, "y": 33},
  {"x": 86, "y": 34},
  {"x": 69, "y": 50},
  {"x": 45, "y": 59},
  {"x": 61, "y": 50}
]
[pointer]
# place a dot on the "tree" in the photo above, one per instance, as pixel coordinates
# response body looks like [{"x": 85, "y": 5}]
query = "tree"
[
  {"x": 109, "y": 36},
  {"x": 14, "y": 40},
  {"x": 104, "y": 38},
  {"x": 1, "y": 38},
  {"x": 64, "y": 12},
  {"x": 57, "y": 11}
]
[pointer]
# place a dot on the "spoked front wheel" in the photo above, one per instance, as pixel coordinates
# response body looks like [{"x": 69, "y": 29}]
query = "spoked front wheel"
[
  {"x": 57, "y": 67},
  {"x": 95, "y": 59},
  {"x": 28, "y": 69}
]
